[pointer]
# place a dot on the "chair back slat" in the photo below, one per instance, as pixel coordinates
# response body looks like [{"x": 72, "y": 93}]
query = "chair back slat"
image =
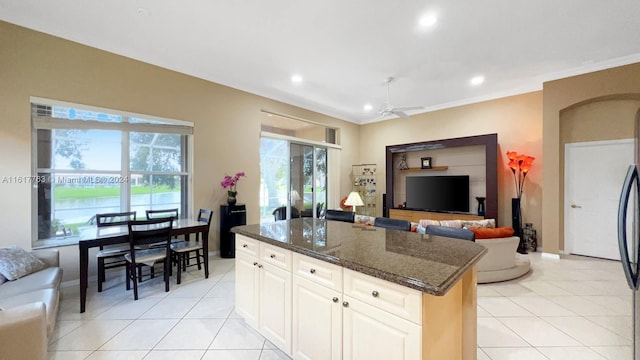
[
  {"x": 114, "y": 219},
  {"x": 205, "y": 215},
  {"x": 145, "y": 232},
  {"x": 162, "y": 213}
]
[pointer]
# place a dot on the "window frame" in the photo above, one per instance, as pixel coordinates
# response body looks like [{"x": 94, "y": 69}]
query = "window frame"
[{"x": 154, "y": 125}]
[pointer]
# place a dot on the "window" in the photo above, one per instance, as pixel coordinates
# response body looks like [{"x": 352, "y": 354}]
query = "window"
[{"x": 89, "y": 160}]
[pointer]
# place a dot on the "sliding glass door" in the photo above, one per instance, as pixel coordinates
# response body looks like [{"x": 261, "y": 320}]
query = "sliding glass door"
[{"x": 293, "y": 180}]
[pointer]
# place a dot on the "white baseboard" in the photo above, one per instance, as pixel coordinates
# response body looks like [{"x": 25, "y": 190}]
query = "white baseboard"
[{"x": 550, "y": 256}]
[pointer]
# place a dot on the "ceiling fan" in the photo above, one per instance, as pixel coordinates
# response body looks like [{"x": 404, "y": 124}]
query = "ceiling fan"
[{"x": 389, "y": 109}]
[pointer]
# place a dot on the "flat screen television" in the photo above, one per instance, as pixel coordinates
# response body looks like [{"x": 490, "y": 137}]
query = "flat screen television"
[{"x": 438, "y": 193}]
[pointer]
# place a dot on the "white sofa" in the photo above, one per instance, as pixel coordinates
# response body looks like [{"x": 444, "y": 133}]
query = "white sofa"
[
  {"x": 28, "y": 310},
  {"x": 501, "y": 262}
]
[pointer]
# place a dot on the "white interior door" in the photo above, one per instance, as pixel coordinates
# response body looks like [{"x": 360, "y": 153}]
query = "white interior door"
[{"x": 594, "y": 173}]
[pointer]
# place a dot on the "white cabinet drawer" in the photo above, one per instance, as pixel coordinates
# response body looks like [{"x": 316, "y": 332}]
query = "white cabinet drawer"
[
  {"x": 274, "y": 255},
  {"x": 247, "y": 245},
  {"x": 396, "y": 299},
  {"x": 318, "y": 271}
]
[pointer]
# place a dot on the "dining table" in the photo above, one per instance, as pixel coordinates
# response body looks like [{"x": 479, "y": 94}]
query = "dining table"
[{"x": 91, "y": 237}]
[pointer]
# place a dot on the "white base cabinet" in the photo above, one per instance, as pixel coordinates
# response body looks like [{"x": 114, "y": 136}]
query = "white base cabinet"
[
  {"x": 371, "y": 333},
  {"x": 317, "y": 321},
  {"x": 263, "y": 289}
]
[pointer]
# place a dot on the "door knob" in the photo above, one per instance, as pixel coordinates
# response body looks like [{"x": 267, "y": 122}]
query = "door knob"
[{"x": 576, "y": 206}]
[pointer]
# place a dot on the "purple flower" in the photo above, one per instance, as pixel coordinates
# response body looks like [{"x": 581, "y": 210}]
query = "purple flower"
[{"x": 230, "y": 182}]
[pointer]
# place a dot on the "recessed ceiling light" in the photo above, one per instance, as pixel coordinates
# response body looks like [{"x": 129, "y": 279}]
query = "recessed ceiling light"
[
  {"x": 477, "y": 80},
  {"x": 428, "y": 20},
  {"x": 367, "y": 107},
  {"x": 296, "y": 79}
]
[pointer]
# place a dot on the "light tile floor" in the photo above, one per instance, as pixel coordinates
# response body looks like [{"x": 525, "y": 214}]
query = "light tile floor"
[{"x": 573, "y": 308}]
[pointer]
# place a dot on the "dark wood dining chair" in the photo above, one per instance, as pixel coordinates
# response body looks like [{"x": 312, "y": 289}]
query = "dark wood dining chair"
[
  {"x": 181, "y": 252},
  {"x": 111, "y": 256},
  {"x": 280, "y": 213},
  {"x": 451, "y": 232},
  {"x": 396, "y": 224},
  {"x": 159, "y": 214},
  {"x": 162, "y": 213},
  {"x": 141, "y": 234}
]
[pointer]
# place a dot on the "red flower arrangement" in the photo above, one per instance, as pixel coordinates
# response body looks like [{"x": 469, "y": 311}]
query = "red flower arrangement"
[{"x": 520, "y": 164}]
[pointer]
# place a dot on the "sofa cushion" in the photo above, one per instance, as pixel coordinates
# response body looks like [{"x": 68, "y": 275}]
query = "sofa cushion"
[
  {"x": 49, "y": 297},
  {"x": 16, "y": 262},
  {"x": 364, "y": 220},
  {"x": 491, "y": 233},
  {"x": 426, "y": 222},
  {"x": 451, "y": 223},
  {"x": 48, "y": 278},
  {"x": 486, "y": 223}
]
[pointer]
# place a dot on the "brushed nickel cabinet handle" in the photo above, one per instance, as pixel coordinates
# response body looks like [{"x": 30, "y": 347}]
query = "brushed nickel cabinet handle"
[
  {"x": 335, "y": 299},
  {"x": 375, "y": 294},
  {"x": 313, "y": 271},
  {"x": 273, "y": 256},
  {"x": 345, "y": 304}
]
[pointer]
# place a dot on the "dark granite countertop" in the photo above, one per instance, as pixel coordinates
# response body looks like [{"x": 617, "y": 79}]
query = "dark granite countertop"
[{"x": 431, "y": 264}]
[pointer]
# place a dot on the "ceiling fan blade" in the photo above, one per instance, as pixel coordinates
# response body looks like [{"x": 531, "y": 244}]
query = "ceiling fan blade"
[
  {"x": 400, "y": 113},
  {"x": 407, "y": 108}
]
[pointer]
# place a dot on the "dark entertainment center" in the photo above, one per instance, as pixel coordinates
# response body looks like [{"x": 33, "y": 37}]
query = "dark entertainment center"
[{"x": 490, "y": 143}]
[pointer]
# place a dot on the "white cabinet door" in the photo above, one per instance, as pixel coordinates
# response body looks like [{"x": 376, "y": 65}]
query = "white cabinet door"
[
  {"x": 247, "y": 277},
  {"x": 317, "y": 321},
  {"x": 275, "y": 306},
  {"x": 370, "y": 333}
]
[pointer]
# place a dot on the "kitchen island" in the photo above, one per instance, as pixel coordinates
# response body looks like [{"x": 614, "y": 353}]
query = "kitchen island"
[{"x": 321, "y": 289}]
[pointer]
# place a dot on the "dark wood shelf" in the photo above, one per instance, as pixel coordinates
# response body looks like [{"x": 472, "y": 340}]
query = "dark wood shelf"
[{"x": 433, "y": 168}]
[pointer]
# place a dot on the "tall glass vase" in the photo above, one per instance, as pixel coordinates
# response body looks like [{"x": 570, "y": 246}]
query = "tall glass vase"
[{"x": 516, "y": 224}]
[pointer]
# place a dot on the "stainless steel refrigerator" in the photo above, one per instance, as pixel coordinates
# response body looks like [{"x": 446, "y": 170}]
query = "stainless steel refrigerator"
[{"x": 629, "y": 242}]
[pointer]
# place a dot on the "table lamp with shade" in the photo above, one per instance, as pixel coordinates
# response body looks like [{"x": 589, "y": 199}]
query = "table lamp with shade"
[{"x": 354, "y": 200}]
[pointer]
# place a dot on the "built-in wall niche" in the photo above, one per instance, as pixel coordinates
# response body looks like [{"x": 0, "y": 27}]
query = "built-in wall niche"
[
  {"x": 465, "y": 160},
  {"x": 460, "y": 156}
]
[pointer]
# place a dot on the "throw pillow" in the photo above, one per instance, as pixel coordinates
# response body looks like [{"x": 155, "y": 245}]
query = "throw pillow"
[
  {"x": 451, "y": 223},
  {"x": 487, "y": 223},
  {"x": 364, "y": 220},
  {"x": 16, "y": 262},
  {"x": 424, "y": 222},
  {"x": 492, "y": 233},
  {"x": 414, "y": 227}
]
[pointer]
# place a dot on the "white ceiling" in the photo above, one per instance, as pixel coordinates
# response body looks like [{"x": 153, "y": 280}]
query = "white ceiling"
[{"x": 344, "y": 49}]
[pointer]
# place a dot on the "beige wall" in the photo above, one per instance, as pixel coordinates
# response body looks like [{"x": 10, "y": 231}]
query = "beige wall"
[
  {"x": 596, "y": 120},
  {"x": 227, "y": 121},
  {"x": 517, "y": 120},
  {"x": 621, "y": 83}
]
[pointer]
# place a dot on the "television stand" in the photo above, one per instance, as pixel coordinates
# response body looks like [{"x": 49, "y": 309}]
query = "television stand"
[{"x": 417, "y": 215}]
